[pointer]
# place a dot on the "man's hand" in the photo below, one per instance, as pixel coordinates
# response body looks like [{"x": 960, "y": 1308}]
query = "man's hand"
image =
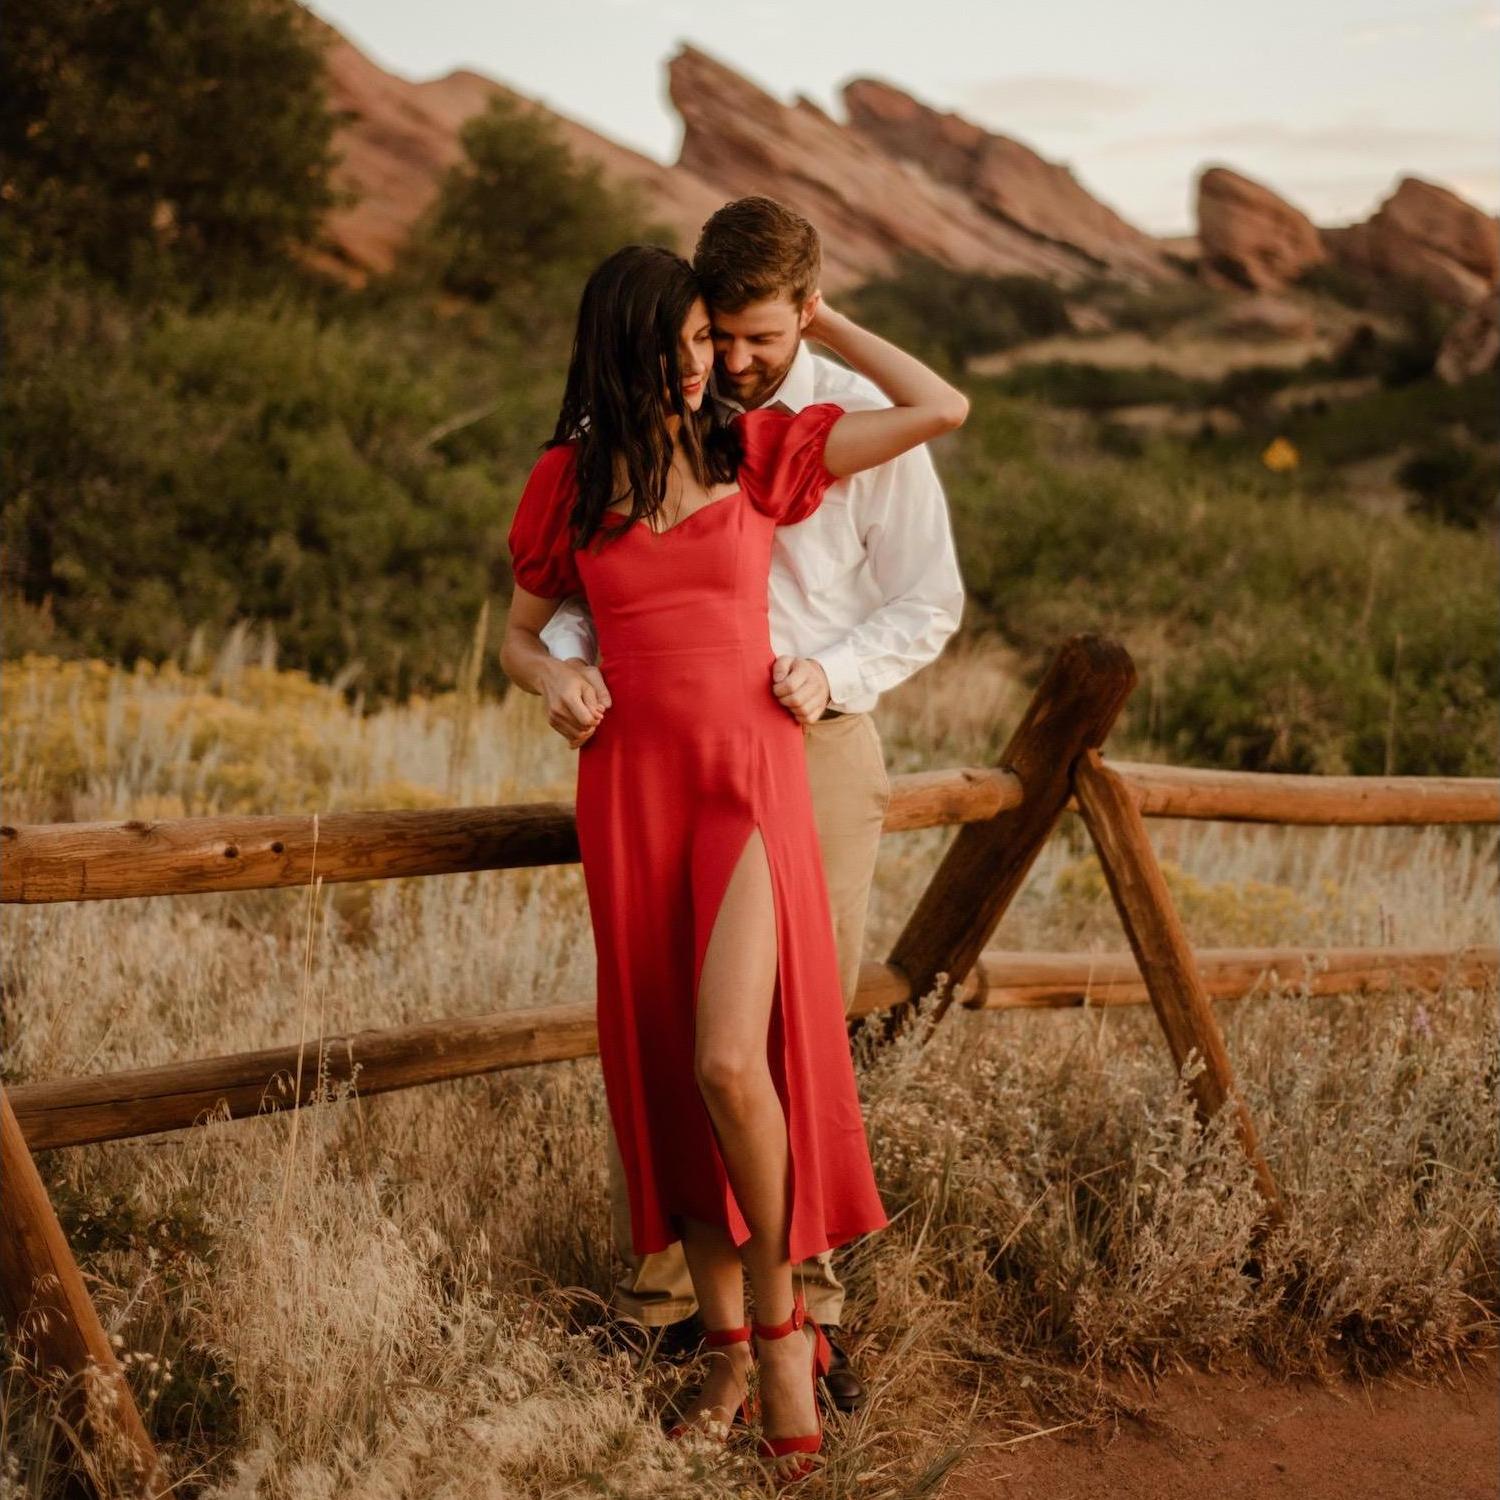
[
  {"x": 801, "y": 687},
  {"x": 819, "y": 319},
  {"x": 576, "y": 698}
]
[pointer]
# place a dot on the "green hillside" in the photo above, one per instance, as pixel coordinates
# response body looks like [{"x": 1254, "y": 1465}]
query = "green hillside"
[{"x": 202, "y": 430}]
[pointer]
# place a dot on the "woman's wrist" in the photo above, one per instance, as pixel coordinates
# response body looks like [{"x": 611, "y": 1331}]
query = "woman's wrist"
[{"x": 551, "y": 671}]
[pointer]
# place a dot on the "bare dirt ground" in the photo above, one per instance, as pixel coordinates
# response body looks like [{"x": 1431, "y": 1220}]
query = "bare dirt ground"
[{"x": 1247, "y": 1436}]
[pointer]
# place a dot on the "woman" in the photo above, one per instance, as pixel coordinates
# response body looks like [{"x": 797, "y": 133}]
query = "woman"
[{"x": 721, "y": 1024}]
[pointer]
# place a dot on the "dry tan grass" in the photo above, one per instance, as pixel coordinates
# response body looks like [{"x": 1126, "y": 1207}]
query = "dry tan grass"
[{"x": 402, "y": 1295}]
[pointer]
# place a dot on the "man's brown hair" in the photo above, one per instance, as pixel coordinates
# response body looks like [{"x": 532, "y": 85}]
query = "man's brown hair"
[{"x": 754, "y": 248}]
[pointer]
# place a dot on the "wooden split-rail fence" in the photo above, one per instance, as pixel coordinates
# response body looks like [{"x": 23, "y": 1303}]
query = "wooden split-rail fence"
[{"x": 1005, "y": 814}]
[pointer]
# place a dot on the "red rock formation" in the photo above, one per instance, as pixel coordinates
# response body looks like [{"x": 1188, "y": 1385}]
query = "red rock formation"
[
  {"x": 1472, "y": 345},
  {"x": 1424, "y": 233},
  {"x": 867, "y": 205},
  {"x": 1250, "y": 237},
  {"x": 398, "y": 138},
  {"x": 1005, "y": 178},
  {"x": 900, "y": 178},
  {"x": 393, "y": 153}
]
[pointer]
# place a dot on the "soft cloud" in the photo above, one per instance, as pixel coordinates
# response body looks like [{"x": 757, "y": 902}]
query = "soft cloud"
[
  {"x": 1482, "y": 186},
  {"x": 1056, "y": 100},
  {"x": 1351, "y": 197},
  {"x": 1355, "y": 137},
  {"x": 1462, "y": 18},
  {"x": 1382, "y": 32}
]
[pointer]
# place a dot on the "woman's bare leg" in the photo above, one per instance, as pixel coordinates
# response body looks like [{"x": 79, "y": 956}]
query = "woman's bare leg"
[
  {"x": 719, "y": 1284},
  {"x": 735, "y": 992}
]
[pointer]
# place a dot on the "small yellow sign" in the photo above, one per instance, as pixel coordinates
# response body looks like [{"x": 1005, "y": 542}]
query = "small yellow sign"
[{"x": 1280, "y": 455}]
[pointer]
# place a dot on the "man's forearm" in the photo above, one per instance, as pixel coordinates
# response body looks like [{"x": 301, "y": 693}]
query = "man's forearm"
[
  {"x": 569, "y": 634},
  {"x": 526, "y": 661},
  {"x": 898, "y": 639}
]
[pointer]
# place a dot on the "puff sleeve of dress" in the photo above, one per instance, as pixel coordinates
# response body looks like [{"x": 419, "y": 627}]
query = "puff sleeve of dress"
[
  {"x": 782, "y": 471},
  {"x": 541, "y": 544}
]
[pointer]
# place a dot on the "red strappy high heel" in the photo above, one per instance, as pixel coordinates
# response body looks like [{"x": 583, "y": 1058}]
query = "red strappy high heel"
[
  {"x": 718, "y": 1338},
  {"x": 807, "y": 1443}
]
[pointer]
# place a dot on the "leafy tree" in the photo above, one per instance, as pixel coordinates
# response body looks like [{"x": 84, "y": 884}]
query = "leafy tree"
[
  {"x": 519, "y": 222},
  {"x": 180, "y": 139}
]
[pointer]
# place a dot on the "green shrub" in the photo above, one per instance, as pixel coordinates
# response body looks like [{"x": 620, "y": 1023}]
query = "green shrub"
[
  {"x": 1454, "y": 483},
  {"x": 957, "y": 315},
  {"x": 1247, "y": 391},
  {"x": 185, "y": 468},
  {"x": 1274, "y": 627},
  {"x": 520, "y": 221},
  {"x": 1155, "y": 311},
  {"x": 1422, "y": 321},
  {"x": 1390, "y": 418},
  {"x": 1101, "y": 387}
]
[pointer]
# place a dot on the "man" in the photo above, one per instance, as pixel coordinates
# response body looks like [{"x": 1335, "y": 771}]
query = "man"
[{"x": 862, "y": 593}]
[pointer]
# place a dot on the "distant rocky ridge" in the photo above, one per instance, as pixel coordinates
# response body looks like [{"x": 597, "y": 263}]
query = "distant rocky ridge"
[
  {"x": 1007, "y": 180},
  {"x": 898, "y": 178},
  {"x": 870, "y": 203},
  {"x": 1427, "y": 234}
]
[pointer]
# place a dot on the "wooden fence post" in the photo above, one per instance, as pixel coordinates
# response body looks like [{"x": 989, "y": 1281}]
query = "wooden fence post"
[
  {"x": 1162, "y": 951},
  {"x": 47, "y": 1306},
  {"x": 1073, "y": 708}
]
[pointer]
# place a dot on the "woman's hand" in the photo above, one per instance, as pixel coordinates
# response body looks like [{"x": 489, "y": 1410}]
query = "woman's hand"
[
  {"x": 576, "y": 698},
  {"x": 574, "y": 691}
]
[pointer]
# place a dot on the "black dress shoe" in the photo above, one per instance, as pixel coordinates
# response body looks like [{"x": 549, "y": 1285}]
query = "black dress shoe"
[
  {"x": 677, "y": 1342},
  {"x": 673, "y": 1342},
  {"x": 845, "y": 1389}
]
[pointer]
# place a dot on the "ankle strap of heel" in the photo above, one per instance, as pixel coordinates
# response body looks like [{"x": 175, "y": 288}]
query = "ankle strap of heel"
[
  {"x": 769, "y": 1331},
  {"x": 719, "y": 1338}
]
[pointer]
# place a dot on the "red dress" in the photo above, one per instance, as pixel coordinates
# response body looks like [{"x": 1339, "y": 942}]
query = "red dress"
[{"x": 692, "y": 755}]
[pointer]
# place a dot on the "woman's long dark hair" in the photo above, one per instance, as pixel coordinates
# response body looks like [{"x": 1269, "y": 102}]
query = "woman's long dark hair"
[{"x": 623, "y": 382}]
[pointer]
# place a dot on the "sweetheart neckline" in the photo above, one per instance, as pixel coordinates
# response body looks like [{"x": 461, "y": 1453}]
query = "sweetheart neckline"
[{"x": 677, "y": 525}]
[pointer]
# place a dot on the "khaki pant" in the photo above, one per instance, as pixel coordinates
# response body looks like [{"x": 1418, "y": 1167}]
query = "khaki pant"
[{"x": 850, "y": 792}]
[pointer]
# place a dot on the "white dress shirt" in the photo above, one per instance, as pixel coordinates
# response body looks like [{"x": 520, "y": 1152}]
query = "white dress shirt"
[{"x": 868, "y": 585}]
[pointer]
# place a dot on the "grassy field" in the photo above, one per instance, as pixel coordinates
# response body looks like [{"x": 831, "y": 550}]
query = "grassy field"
[{"x": 403, "y": 1295}]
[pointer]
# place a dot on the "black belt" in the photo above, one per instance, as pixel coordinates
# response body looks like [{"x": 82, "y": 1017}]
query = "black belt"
[{"x": 831, "y": 713}]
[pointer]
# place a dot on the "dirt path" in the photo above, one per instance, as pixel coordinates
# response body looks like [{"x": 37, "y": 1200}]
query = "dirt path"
[{"x": 1245, "y": 1437}]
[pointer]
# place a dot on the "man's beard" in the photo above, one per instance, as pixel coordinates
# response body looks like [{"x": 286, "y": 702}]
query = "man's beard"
[{"x": 750, "y": 394}]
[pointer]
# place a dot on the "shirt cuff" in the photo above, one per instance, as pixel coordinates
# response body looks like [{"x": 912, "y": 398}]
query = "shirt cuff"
[
  {"x": 567, "y": 638},
  {"x": 840, "y": 666}
]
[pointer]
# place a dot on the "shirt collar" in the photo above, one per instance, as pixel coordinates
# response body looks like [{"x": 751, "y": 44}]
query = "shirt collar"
[{"x": 794, "y": 392}]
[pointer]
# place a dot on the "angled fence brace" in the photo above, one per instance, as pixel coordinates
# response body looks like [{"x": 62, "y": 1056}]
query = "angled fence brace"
[
  {"x": 1073, "y": 709},
  {"x": 47, "y": 1306},
  {"x": 1163, "y": 953}
]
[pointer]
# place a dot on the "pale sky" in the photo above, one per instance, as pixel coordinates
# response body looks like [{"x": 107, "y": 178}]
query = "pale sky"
[{"x": 1329, "y": 102}]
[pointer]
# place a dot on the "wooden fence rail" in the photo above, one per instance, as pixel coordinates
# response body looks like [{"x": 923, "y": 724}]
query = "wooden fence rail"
[
  {"x": 192, "y": 856},
  {"x": 175, "y": 1096},
  {"x": 1274, "y": 797},
  {"x": 42, "y": 862},
  {"x": 1054, "y": 762}
]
